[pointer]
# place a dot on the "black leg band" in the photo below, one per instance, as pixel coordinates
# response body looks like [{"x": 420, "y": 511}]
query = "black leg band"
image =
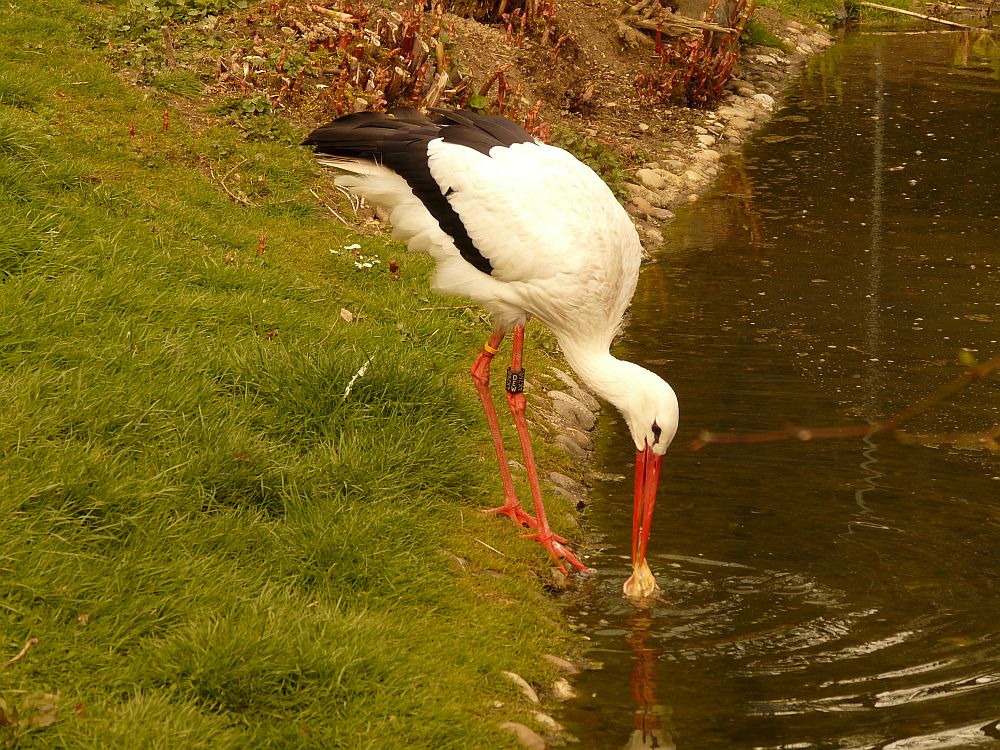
[{"x": 515, "y": 381}]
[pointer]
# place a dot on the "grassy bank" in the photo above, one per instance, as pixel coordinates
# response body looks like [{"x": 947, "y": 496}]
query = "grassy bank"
[{"x": 214, "y": 547}]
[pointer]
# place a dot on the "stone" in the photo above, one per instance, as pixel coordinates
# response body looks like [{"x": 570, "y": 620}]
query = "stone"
[
  {"x": 567, "y": 483},
  {"x": 650, "y": 179},
  {"x": 642, "y": 205},
  {"x": 563, "y": 665},
  {"x": 651, "y": 236},
  {"x": 706, "y": 140},
  {"x": 746, "y": 90},
  {"x": 562, "y": 690},
  {"x": 699, "y": 130},
  {"x": 565, "y": 377},
  {"x": 584, "y": 397},
  {"x": 581, "y": 438},
  {"x": 577, "y": 391},
  {"x": 651, "y": 197},
  {"x": 573, "y": 499},
  {"x": 739, "y": 123},
  {"x": 528, "y": 737},
  {"x": 569, "y": 446},
  {"x": 708, "y": 156},
  {"x": 764, "y": 100},
  {"x": 572, "y": 412},
  {"x": 669, "y": 177},
  {"x": 731, "y": 113},
  {"x": 522, "y": 684},
  {"x": 693, "y": 177},
  {"x": 547, "y": 722}
]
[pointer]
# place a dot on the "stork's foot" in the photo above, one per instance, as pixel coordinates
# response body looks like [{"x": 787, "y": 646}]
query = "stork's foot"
[
  {"x": 513, "y": 510},
  {"x": 558, "y": 548}
]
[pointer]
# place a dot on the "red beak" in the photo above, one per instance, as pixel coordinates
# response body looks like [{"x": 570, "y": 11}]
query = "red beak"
[{"x": 647, "y": 478}]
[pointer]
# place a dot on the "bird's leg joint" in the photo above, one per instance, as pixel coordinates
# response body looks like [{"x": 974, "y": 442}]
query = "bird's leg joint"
[{"x": 515, "y": 380}]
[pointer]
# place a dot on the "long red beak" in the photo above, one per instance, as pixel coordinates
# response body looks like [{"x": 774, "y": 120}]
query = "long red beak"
[{"x": 647, "y": 479}]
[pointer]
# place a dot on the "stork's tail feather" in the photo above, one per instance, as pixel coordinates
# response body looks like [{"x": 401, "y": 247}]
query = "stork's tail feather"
[
  {"x": 367, "y": 135},
  {"x": 361, "y": 135}
]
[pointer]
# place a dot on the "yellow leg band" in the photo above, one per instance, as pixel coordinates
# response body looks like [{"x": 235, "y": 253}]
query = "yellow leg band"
[{"x": 489, "y": 348}]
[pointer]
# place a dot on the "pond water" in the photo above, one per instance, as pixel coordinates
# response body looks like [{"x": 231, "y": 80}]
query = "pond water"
[{"x": 824, "y": 594}]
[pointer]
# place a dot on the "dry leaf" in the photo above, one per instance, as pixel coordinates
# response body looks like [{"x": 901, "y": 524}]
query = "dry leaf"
[{"x": 347, "y": 315}]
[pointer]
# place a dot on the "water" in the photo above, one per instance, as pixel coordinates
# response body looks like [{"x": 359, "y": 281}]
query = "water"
[{"x": 829, "y": 594}]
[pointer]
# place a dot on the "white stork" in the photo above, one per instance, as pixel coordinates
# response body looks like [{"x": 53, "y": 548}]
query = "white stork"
[{"x": 525, "y": 230}]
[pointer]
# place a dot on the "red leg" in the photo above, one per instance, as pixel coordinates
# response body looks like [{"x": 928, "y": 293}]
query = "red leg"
[
  {"x": 556, "y": 545},
  {"x": 481, "y": 376}
]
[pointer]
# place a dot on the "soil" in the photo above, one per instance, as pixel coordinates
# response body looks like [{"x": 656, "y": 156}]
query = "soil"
[{"x": 581, "y": 74}]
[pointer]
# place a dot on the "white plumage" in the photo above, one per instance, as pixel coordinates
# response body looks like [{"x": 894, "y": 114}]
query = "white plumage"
[{"x": 527, "y": 231}]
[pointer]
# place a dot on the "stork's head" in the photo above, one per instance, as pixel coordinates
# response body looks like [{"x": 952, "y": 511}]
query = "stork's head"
[{"x": 651, "y": 412}]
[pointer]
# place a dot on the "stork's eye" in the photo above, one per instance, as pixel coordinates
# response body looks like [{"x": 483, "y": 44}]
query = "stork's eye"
[{"x": 656, "y": 433}]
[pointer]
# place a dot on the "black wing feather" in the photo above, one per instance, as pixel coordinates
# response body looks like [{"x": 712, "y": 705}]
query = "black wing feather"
[{"x": 398, "y": 140}]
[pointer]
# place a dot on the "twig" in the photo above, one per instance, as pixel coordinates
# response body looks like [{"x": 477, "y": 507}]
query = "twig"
[
  {"x": 924, "y": 16},
  {"x": 355, "y": 200},
  {"x": 222, "y": 181},
  {"x": 688, "y": 25},
  {"x": 27, "y": 646},
  {"x": 888, "y": 426},
  {"x": 489, "y": 547},
  {"x": 451, "y": 307},
  {"x": 328, "y": 208}
]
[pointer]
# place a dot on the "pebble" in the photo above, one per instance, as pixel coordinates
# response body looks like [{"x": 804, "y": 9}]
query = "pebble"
[
  {"x": 525, "y": 735},
  {"x": 562, "y": 690},
  {"x": 567, "y": 483},
  {"x": 581, "y": 438},
  {"x": 572, "y": 411},
  {"x": 547, "y": 722},
  {"x": 526, "y": 689},
  {"x": 765, "y": 100},
  {"x": 564, "y": 665},
  {"x": 568, "y": 445},
  {"x": 650, "y": 179}
]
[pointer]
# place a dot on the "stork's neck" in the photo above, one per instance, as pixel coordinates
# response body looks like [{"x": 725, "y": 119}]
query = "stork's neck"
[{"x": 609, "y": 377}]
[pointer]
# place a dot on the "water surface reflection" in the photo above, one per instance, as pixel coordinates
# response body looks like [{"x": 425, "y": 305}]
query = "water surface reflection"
[{"x": 828, "y": 594}]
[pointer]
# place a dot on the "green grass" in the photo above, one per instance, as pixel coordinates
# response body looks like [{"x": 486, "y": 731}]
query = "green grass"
[
  {"x": 214, "y": 547},
  {"x": 818, "y": 11},
  {"x": 757, "y": 34}
]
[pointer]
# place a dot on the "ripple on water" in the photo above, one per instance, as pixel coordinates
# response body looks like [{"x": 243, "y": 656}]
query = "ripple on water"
[{"x": 784, "y": 630}]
